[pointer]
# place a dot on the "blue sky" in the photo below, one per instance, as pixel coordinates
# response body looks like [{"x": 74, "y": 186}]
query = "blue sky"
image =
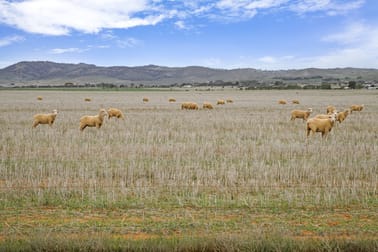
[{"x": 261, "y": 34}]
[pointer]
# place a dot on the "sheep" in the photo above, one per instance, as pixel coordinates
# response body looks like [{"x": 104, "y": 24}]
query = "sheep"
[
  {"x": 304, "y": 114},
  {"x": 145, "y": 99},
  {"x": 295, "y": 101},
  {"x": 330, "y": 109},
  {"x": 87, "y": 99},
  {"x": 355, "y": 107},
  {"x": 171, "y": 100},
  {"x": 221, "y": 102},
  {"x": 341, "y": 116},
  {"x": 92, "y": 121},
  {"x": 320, "y": 125},
  {"x": 45, "y": 118},
  {"x": 39, "y": 98},
  {"x": 189, "y": 105},
  {"x": 229, "y": 101},
  {"x": 114, "y": 112},
  {"x": 207, "y": 105},
  {"x": 326, "y": 116},
  {"x": 283, "y": 102}
]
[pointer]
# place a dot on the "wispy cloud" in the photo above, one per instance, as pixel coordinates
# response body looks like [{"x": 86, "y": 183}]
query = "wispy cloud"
[
  {"x": 329, "y": 7},
  {"x": 56, "y": 17},
  {"x": 66, "y": 50},
  {"x": 129, "y": 42},
  {"x": 10, "y": 40}
]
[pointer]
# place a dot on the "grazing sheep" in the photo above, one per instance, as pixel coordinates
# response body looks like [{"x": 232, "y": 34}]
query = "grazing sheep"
[
  {"x": 320, "y": 125},
  {"x": 172, "y": 100},
  {"x": 229, "y": 101},
  {"x": 341, "y": 116},
  {"x": 189, "y": 105},
  {"x": 207, "y": 105},
  {"x": 295, "y": 101},
  {"x": 114, "y": 112},
  {"x": 145, "y": 99},
  {"x": 355, "y": 107},
  {"x": 221, "y": 102},
  {"x": 330, "y": 109},
  {"x": 326, "y": 116},
  {"x": 39, "y": 98},
  {"x": 45, "y": 118},
  {"x": 283, "y": 102},
  {"x": 304, "y": 114},
  {"x": 87, "y": 99},
  {"x": 92, "y": 121}
]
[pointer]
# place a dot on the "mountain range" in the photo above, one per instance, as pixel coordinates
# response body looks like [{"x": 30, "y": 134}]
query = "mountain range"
[{"x": 52, "y": 73}]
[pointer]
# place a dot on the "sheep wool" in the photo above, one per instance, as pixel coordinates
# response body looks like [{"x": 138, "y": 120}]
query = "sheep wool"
[
  {"x": 295, "y": 101},
  {"x": 189, "y": 105},
  {"x": 355, "y": 107},
  {"x": 45, "y": 118},
  {"x": 221, "y": 102},
  {"x": 93, "y": 121},
  {"x": 341, "y": 116},
  {"x": 331, "y": 109},
  {"x": 320, "y": 125},
  {"x": 304, "y": 114},
  {"x": 207, "y": 105},
  {"x": 114, "y": 112}
]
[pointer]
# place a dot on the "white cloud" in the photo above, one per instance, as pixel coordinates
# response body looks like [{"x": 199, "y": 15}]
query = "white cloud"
[
  {"x": 10, "y": 40},
  {"x": 330, "y": 7},
  {"x": 354, "y": 33},
  {"x": 356, "y": 46},
  {"x": 129, "y": 42},
  {"x": 66, "y": 50},
  {"x": 56, "y": 17},
  {"x": 268, "y": 59},
  {"x": 180, "y": 25}
]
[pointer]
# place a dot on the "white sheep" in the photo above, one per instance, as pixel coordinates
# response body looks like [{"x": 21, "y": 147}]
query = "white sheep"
[
  {"x": 207, "y": 105},
  {"x": 320, "y": 125},
  {"x": 93, "y": 121},
  {"x": 355, "y": 107},
  {"x": 326, "y": 116},
  {"x": 304, "y": 114},
  {"x": 295, "y": 101},
  {"x": 45, "y": 118},
  {"x": 341, "y": 116},
  {"x": 221, "y": 102},
  {"x": 114, "y": 112},
  {"x": 189, "y": 105},
  {"x": 331, "y": 109}
]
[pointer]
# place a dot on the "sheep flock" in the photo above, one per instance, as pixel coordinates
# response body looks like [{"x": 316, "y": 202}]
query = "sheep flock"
[{"x": 319, "y": 123}]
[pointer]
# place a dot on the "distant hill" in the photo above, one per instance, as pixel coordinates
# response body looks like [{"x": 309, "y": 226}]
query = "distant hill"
[{"x": 51, "y": 73}]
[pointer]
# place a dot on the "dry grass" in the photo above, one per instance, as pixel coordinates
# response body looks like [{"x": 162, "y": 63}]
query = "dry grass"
[{"x": 247, "y": 154}]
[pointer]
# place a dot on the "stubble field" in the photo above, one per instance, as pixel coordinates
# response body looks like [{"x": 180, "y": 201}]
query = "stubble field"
[{"x": 240, "y": 176}]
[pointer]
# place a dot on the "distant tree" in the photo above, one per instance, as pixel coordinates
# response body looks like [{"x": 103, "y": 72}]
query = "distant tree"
[
  {"x": 325, "y": 86},
  {"x": 352, "y": 84}
]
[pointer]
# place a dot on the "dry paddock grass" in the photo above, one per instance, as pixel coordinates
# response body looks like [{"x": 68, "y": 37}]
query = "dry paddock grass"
[
  {"x": 247, "y": 152},
  {"x": 238, "y": 171}
]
